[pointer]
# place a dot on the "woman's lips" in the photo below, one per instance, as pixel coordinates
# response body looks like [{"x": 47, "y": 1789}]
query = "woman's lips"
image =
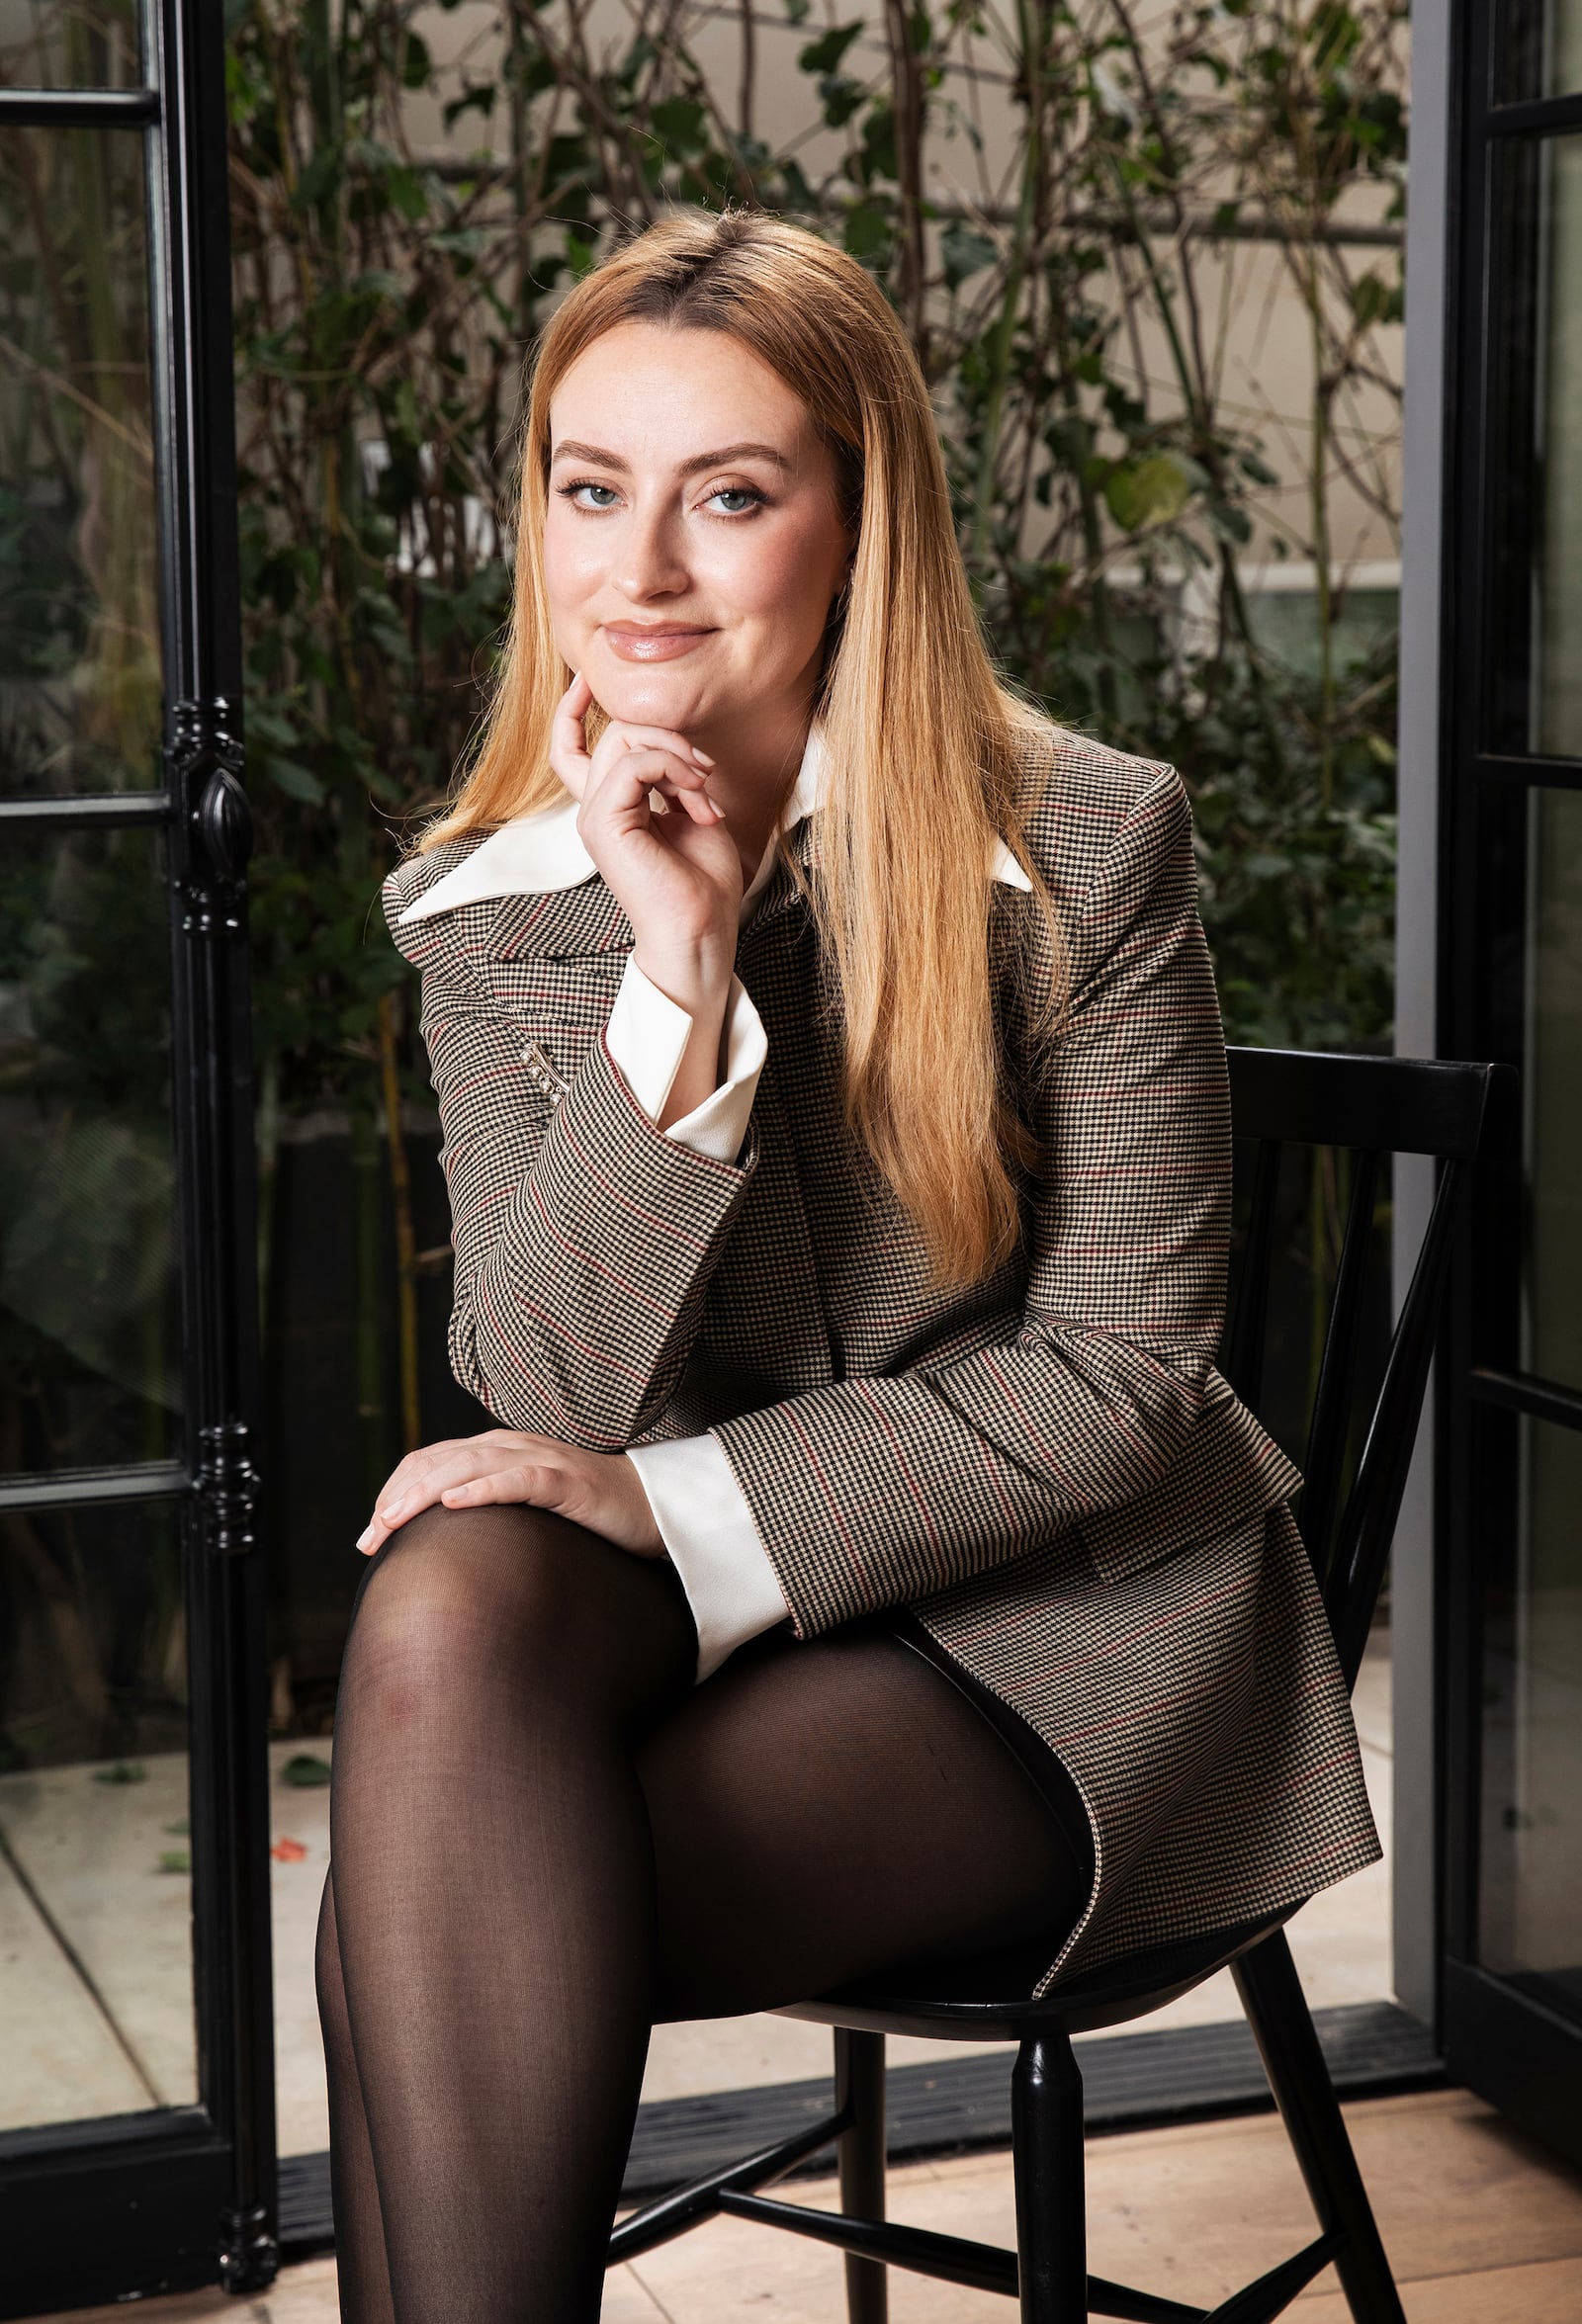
[{"x": 630, "y": 641}]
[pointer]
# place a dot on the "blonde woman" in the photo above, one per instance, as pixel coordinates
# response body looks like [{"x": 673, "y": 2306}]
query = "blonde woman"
[{"x": 869, "y": 1562}]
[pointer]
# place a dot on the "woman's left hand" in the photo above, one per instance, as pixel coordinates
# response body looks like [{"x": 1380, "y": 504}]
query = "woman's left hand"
[{"x": 599, "y": 1489}]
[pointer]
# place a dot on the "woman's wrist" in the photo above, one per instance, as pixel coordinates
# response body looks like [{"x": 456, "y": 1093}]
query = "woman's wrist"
[
  {"x": 696, "y": 976},
  {"x": 697, "y": 1077}
]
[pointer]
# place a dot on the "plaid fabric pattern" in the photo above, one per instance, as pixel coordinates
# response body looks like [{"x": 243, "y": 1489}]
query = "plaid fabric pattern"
[{"x": 1046, "y": 1468}]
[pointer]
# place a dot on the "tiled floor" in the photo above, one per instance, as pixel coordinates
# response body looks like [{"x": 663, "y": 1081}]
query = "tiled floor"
[
  {"x": 1482, "y": 2227},
  {"x": 95, "y": 2007}
]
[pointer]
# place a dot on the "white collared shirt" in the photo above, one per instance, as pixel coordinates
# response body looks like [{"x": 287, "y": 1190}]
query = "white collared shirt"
[{"x": 700, "y": 1511}]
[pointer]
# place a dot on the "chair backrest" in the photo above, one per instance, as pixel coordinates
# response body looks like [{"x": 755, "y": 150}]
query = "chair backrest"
[{"x": 1368, "y": 1107}]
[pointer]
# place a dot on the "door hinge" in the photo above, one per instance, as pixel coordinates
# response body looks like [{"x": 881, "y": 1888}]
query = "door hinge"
[
  {"x": 205, "y": 761},
  {"x": 226, "y": 1486},
  {"x": 249, "y": 2256}
]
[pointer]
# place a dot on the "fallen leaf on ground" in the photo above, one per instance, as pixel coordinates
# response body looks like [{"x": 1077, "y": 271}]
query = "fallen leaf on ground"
[{"x": 288, "y": 1851}]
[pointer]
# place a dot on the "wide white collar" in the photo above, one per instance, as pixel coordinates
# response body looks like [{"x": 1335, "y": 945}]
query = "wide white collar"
[{"x": 540, "y": 853}]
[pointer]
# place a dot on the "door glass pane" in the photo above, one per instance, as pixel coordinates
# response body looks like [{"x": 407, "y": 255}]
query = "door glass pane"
[
  {"x": 1535, "y": 447},
  {"x": 79, "y": 614},
  {"x": 1553, "y": 1089},
  {"x": 1542, "y": 49},
  {"x": 1532, "y": 1854},
  {"x": 89, "y": 1355},
  {"x": 96, "y": 1999},
  {"x": 70, "y": 44}
]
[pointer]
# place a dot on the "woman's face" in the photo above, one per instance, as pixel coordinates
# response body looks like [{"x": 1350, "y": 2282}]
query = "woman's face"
[{"x": 693, "y": 541}]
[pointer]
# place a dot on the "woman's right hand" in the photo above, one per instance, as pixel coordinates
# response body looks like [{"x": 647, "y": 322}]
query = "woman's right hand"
[{"x": 677, "y": 874}]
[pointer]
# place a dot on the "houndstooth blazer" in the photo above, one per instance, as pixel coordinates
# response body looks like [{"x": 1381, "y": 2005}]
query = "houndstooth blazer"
[{"x": 1046, "y": 1468}]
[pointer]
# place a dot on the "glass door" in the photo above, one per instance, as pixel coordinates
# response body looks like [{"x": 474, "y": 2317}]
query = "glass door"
[
  {"x": 136, "y": 2099},
  {"x": 1512, "y": 1462}
]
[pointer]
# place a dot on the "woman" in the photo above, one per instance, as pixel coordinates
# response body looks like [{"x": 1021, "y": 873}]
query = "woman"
[{"x": 869, "y": 1563}]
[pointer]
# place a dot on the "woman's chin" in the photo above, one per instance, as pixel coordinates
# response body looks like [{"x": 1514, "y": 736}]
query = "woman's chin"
[{"x": 656, "y": 695}]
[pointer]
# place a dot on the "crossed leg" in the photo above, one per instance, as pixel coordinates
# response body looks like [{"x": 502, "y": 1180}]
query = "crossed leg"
[{"x": 545, "y": 1839}]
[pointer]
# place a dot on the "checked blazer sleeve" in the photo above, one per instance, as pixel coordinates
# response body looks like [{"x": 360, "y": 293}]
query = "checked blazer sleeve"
[
  {"x": 880, "y": 1491},
  {"x": 584, "y": 1237}
]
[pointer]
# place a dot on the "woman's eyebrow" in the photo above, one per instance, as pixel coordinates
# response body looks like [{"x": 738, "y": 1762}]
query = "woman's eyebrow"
[{"x": 598, "y": 457}]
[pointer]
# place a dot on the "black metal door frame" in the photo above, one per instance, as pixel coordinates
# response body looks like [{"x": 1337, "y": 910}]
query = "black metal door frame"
[
  {"x": 185, "y": 2195},
  {"x": 1499, "y": 2039}
]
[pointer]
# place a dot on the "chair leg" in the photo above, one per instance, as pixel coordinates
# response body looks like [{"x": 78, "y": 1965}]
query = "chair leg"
[
  {"x": 1287, "y": 2041},
  {"x": 1051, "y": 2197},
  {"x": 860, "y": 2152}
]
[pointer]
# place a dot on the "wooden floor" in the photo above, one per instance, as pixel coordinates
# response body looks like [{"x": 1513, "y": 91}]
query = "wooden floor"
[{"x": 1482, "y": 2226}]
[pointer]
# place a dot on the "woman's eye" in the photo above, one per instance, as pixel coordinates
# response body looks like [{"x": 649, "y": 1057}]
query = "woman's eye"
[
  {"x": 735, "y": 499},
  {"x": 586, "y": 495}
]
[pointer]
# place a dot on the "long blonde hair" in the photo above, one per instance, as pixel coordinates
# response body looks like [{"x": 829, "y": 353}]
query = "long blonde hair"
[{"x": 925, "y": 746}]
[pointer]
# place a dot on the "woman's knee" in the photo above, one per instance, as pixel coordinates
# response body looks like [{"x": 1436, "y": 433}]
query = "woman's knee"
[{"x": 512, "y": 1593}]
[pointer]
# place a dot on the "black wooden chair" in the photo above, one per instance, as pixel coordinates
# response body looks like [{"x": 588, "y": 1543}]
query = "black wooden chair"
[{"x": 1369, "y": 1107}]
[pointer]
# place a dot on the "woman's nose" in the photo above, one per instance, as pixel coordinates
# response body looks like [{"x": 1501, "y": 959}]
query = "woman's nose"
[{"x": 650, "y": 562}]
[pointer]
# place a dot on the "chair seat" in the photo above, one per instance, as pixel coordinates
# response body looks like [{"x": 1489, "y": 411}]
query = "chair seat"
[{"x": 944, "y": 2001}]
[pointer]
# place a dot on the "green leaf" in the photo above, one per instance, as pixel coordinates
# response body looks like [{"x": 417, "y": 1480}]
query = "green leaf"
[
  {"x": 305, "y": 1773},
  {"x": 842, "y": 97},
  {"x": 867, "y": 230},
  {"x": 824, "y": 55},
  {"x": 174, "y": 1860},
  {"x": 680, "y": 123},
  {"x": 1150, "y": 491},
  {"x": 1373, "y": 301},
  {"x": 879, "y": 143},
  {"x": 480, "y": 99},
  {"x": 964, "y": 253},
  {"x": 405, "y": 188}
]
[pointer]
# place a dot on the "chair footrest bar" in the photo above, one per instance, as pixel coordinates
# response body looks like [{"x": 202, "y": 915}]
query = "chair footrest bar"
[
  {"x": 1273, "y": 2294},
  {"x": 687, "y": 2206},
  {"x": 980, "y": 2267},
  {"x": 1138, "y": 2307}
]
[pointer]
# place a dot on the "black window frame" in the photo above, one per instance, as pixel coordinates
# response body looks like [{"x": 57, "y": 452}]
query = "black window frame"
[
  {"x": 182, "y": 2197},
  {"x": 1498, "y": 2034}
]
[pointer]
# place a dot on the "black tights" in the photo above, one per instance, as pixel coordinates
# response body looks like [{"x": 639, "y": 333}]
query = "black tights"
[{"x": 545, "y": 1840}]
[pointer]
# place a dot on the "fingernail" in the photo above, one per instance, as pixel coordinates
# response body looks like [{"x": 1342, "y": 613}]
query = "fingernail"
[
  {"x": 365, "y": 1537},
  {"x": 701, "y": 756},
  {"x": 391, "y": 1509}
]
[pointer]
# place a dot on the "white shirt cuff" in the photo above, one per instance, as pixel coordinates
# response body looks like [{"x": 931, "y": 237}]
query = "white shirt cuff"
[
  {"x": 646, "y": 1036},
  {"x": 707, "y": 1526}
]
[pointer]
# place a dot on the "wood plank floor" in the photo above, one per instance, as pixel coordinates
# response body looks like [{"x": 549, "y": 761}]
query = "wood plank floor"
[{"x": 1482, "y": 2227}]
